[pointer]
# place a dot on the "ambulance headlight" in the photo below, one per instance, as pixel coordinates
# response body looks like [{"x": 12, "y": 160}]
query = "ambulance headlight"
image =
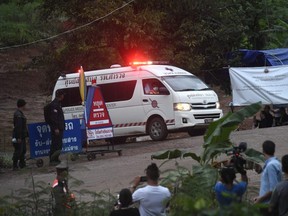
[
  {"x": 182, "y": 107},
  {"x": 218, "y": 105}
]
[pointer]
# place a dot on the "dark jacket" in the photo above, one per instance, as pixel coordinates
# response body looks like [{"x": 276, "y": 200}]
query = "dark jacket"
[
  {"x": 283, "y": 119},
  {"x": 265, "y": 122},
  {"x": 63, "y": 201},
  {"x": 125, "y": 212},
  {"x": 20, "y": 125},
  {"x": 269, "y": 120},
  {"x": 57, "y": 116}
]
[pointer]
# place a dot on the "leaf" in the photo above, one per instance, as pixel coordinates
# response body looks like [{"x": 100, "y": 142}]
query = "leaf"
[
  {"x": 193, "y": 156},
  {"x": 165, "y": 155},
  {"x": 200, "y": 183},
  {"x": 254, "y": 155},
  {"x": 174, "y": 154},
  {"x": 217, "y": 136}
]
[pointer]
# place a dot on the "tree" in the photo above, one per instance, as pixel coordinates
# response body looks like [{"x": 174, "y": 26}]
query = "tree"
[
  {"x": 195, "y": 35},
  {"x": 19, "y": 22}
]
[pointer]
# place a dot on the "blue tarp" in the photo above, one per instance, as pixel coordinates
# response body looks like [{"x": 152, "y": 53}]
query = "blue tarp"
[{"x": 258, "y": 58}]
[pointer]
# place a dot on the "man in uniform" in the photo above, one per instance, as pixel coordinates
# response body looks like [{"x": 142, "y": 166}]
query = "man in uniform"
[
  {"x": 64, "y": 200},
  {"x": 20, "y": 132},
  {"x": 57, "y": 126}
]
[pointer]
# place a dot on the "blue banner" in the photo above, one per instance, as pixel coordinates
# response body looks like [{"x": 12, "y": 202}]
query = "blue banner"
[{"x": 40, "y": 138}]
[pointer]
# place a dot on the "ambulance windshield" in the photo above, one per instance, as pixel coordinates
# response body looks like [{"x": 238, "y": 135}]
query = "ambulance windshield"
[{"x": 185, "y": 83}]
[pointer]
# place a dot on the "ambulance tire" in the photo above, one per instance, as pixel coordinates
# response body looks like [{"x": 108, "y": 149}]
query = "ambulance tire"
[{"x": 157, "y": 129}]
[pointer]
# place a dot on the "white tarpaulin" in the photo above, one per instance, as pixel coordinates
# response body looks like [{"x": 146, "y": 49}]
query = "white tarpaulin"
[{"x": 253, "y": 84}]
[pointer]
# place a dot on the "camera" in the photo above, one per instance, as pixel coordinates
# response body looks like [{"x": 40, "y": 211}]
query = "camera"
[
  {"x": 143, "y": 178},
  {"x": 237, "y": 161}
]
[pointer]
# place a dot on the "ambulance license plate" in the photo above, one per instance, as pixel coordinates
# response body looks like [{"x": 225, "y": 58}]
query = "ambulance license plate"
[{"x": 208, "y": 120}]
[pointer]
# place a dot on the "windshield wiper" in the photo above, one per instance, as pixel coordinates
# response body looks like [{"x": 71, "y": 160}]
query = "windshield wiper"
[
  {"x": 187, "y": 89},
  {"x": 204, "y": 89}
]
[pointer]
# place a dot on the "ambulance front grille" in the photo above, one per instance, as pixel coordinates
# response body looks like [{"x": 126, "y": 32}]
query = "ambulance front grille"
[
  {"x": 207, "y": 116},
  {"x": 211, "y": 105}
]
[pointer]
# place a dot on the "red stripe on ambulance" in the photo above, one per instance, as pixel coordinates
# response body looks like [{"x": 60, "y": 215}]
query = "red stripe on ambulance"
[{"x": 168, "y": 122}]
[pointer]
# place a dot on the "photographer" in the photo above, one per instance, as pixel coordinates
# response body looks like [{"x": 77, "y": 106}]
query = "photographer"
[
  {"x": 152, "y": 198},
  {"x": 227, "y": 191}
]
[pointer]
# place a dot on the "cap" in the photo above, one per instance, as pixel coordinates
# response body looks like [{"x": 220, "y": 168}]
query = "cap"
[
  {"x": 59, "y": 93},
  {"x": 21, "y": 103},
  {"x": 62, "y": 165}
]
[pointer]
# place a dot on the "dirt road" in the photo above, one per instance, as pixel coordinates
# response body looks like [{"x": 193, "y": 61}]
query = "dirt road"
[{"x": 111, "y": 172}]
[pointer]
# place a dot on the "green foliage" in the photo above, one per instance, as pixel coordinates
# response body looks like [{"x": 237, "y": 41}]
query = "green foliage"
[
  {"x": 176, "y": 154},
  {"x": 37, "y": 200},
  {"x": 19, "y": 22},
  {"x": 101, "y": 204},
  {"x": 5, "y": 161},
  {"x": 193, "y": 190},
  {"x": 194, "y": 35},
  {"x": 217, "y": 136}
]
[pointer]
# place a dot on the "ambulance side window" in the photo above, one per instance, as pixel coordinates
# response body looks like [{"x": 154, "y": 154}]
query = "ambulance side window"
[
  {"x": 111, "y": 92},
  {"x": 120, "y": 91},
  {"x": 154, "y": 87},
  {"x": 72, "y": 97}
]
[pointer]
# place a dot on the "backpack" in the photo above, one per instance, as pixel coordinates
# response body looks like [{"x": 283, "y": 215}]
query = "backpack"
[{"x": 47, "y": 113}]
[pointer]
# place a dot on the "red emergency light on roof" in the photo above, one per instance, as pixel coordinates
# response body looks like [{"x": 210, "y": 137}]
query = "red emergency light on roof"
[
  {"x": 136, "y": 63},
  {"x": 139, "y": 63}
]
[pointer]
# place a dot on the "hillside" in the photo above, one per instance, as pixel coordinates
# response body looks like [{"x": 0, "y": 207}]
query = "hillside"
[{"x": 18, "y": 79}]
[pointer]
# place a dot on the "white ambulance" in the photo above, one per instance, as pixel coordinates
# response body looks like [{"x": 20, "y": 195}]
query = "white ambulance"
[{"x": 145, "y": 99}]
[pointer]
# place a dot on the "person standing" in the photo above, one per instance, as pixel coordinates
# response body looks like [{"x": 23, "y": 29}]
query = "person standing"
[
  {"x": 153, "y": 198},
  {"x": 283, "y": 120},
  {"x": 20, "y": 133},
  {"x": 226, "y": 190},
  {"x": 278, "y": 202},
  {"x": 57, "y": 126},
  {"x": 64, "y": 201},
  {"x": 271, "y": 174}
]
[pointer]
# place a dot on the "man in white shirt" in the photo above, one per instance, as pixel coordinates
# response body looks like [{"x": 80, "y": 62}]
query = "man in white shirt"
[
  {"x": 270, "y": 177},
  {"x": 271, "y": 174},
  {"x": 153, "y": 198}
]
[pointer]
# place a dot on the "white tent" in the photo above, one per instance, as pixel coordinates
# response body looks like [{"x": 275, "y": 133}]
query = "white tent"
[{"x": 253, "y": 84}]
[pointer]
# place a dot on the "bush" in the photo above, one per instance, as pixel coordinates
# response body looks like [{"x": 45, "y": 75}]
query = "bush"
[{"x": 5, "y": 161}]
